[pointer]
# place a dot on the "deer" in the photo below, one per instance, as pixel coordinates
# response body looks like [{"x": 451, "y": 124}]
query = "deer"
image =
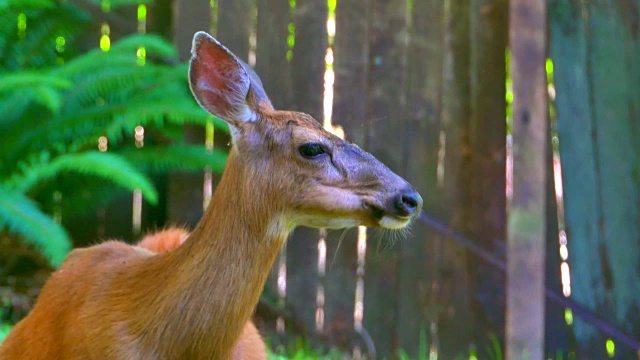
[
  {"x": 119, "y": 301},
  {"x": 250, "y": 346}
]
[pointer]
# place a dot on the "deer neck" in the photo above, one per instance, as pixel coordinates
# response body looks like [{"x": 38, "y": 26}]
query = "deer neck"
[{"x": 217, "y": 275}]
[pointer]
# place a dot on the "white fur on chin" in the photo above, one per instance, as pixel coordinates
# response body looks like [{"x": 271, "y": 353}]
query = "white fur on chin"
[{"x": 393, "y": 223}]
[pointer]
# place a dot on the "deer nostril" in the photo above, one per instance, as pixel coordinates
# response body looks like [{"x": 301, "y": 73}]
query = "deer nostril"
[{"x": 408, "y": 202}]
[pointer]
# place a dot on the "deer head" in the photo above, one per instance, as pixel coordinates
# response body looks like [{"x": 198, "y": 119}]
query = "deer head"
[{"x": 308, "y": 176}]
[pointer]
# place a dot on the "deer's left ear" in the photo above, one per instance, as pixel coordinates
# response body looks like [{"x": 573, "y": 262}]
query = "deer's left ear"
[{"x": 223, "y": 84}]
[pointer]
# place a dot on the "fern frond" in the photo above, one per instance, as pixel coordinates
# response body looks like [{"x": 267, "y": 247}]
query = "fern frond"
[
  {"x": 122, "y": 53},
  {"x": 113, "y": 85},
  {"x": 159, "y": 112},
  {"x": 48, "y": 97},
  {"x": 85, "y": 124},
  {"x": 44, "y": 26},
  {"x": 108, "y": 166},
  {"x": 11, "y": 81},
  {"x": 153, "y": 44},
  {"x": 25, "y": 107},
  {"x": 31, "y": 87},
  {"x": 95, "y": 60},
  {"x": 6, "y": 5},
  {"x": 114, "y": 4},
  {"x": 22, "y": 216},
  {"x": 175, "y": 157}
]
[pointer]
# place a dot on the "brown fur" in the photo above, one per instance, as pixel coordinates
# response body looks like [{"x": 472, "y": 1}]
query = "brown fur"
[
  {"x": 164, "y": 241},
  {"x": 250, "y": 346},
  {"x": 127, "y": 302},
  {"x": 115, "y": 301}
]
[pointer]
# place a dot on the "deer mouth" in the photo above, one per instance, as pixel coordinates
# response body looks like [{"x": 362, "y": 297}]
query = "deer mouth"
[
  {"x": 388, "y": 220},
  {"x": 394, "y": 222}
]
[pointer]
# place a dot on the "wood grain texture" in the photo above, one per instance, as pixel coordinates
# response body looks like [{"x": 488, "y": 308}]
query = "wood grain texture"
[
  {"x": 594, "y": 47},
  {"x": 527, "y": 216}
]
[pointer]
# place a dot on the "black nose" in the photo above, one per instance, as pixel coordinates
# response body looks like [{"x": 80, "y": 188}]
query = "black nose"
[{"x": 407, "y": 203}]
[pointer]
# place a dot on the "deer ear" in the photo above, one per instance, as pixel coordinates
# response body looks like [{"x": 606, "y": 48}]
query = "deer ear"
[{"x": 222, "y": 84}]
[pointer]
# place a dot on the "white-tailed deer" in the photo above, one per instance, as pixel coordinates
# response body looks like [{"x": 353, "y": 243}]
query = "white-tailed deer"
[{"x": 116, "y": 301}]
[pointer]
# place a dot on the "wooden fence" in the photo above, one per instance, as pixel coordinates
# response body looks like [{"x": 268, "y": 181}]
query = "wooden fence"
[{"x": 421, "y": 85}]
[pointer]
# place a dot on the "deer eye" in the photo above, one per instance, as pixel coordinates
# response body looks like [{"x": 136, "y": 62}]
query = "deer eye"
[{"x": 312, "y": 150}]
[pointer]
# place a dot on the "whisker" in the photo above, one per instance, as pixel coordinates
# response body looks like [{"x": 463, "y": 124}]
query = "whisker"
[{"x": 335, "y": 254}]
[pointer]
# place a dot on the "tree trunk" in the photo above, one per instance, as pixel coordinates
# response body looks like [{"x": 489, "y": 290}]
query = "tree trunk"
[
  {"x": 595, "y": 48},
  {"x": 526, "y": 228}
]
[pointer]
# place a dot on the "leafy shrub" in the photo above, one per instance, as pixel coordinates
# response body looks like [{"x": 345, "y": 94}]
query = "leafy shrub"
[{"x": 57, "y": 104}]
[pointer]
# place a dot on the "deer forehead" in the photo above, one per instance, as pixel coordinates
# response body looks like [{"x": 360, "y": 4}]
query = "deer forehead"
[
  {"x": 287, "y": 126},
  {"x": 306, "y": 135}
]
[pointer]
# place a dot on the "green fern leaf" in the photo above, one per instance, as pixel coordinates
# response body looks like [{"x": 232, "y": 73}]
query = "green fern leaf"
[
  {"x": 178, "y": 111},
  {"x": 22, "y": 216},
  {"x": 48, "y": 97},
  {"x": 176, "y": 157},
  {"x": 108, "y": 166},
  {"x": 6, "y": 5},
  {"x": 114, "y": 4},
  {"x": 12, "y": 81},
  {"x": 153, "y": 44},
  {"x": 44, "y": 26},
  {"x": 34, "y": 87},
  {"x": 95, "y": 60}
]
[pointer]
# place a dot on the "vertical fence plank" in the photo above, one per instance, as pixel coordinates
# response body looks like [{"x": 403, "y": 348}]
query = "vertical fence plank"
[
  {"x": 307, "y": 69},
  {"x": 271, "y": 50},
  {"x": 385, "y": 139},
  {"x": 594, "y": 47},
  {"x": 308, "y": 64},
  {"x": 568, "y": 48},
  {"x": 351, "y": 59},
  {"x": 488, "y": 145},
  {"x": 339, "y": 288},
  {"x": 526, "y": 244},
  {"x": 274, "y": 69},
  {"x": 234, "y": 26},
  {"x": 185, "y": 197},
  {"x": 556, "y": 330},
  {"x": 613, "y": 60},
  {"x": 160, "y": 17},
  {"x": 349, "y": 111},
  {"x": 456, "y": 325},
  {"x": 189, "y": 17},
  {"x": 422, "y": 130}
]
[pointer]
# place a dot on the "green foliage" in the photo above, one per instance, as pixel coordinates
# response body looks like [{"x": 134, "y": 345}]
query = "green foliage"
[
  {"x": 21, "y": 215},
  {"x": 28, "y": 31},
  {"x": 495, "y": 349},
  {"x": 114, "y": 4},
  {"x": 182, "y": 157},
  {"x": 4, "y": 331},
  {"x": 301, "y": 350},
  {"x": 57, "y": 105},
  {"x": 423, "y": 350}
]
